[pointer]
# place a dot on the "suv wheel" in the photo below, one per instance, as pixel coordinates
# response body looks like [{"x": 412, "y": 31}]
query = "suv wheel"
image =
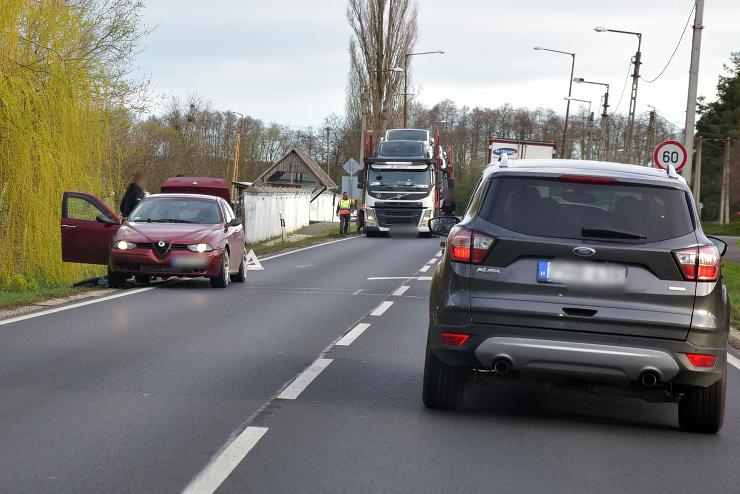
[
  {"x": 443, "y": 384},
  {"x": 223, "y": 278},
  {"x": 703, "y": 409}
]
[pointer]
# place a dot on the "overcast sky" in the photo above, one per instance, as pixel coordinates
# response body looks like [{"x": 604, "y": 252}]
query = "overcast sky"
[{"x": 286, "y": 60}]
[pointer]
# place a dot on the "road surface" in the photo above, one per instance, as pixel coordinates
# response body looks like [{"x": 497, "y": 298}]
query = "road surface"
[{"x": 308, "y": 379}]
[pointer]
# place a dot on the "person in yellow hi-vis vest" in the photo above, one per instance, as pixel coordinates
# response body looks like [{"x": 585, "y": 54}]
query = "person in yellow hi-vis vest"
[{"x": 344, "y": 210}]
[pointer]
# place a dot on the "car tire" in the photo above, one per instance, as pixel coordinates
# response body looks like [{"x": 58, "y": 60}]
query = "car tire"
[
  {"x": 223, "y": 278},
  {"x": 116, "y": 279},
  {"x": 703, "y": 409},
  {"x": 143, "y": 278},
  {"x": 371, "y": 234},
  {"x": 443, "y": 384},
  {"x": 241, "y": 276}
]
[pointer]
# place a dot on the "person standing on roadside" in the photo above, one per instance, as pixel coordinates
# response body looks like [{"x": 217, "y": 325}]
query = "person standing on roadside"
[
  {"x": 344, "y": 210},
  {"x": 448, "y": 203},
  {"x": 134, "y": 194}
]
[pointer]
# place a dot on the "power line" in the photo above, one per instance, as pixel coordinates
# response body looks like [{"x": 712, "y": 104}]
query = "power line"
[
  {"x": 627, "y": 78},
  {"x": 688, "y": 21}
]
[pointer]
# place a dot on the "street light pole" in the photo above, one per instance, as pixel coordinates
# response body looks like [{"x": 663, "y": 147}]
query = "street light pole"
[
  {"x": 590, "y": 122},
  {"x": 406, "y": 80},
  {"x": 603, "y": 148},
  {"x": 570, "y": 92},
  {"x": 635, "y": 80}
]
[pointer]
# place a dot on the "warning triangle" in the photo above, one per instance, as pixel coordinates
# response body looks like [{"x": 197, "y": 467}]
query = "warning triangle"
[{"x": 253, "y": 264}]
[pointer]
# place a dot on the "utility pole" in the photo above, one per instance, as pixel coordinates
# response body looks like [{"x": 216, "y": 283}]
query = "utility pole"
[
  {"x": 363, "y": 125},
  {"x": 727, "y": 181},
  {"x": 237, "y": 151},
  {"x": 328, "y": 129},
  {"x": 693, "y": 85},
  {"x": 650, "y": 145},
  {"x": 633, "y": 98},
  {"x": 589, "y": 133},
  {"x": 604, "y": 148},
  {"x": 697, "y": 174}
]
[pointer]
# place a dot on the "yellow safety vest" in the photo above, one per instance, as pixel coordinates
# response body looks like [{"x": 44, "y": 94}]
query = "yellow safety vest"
[{"x": 345, "y": 206}]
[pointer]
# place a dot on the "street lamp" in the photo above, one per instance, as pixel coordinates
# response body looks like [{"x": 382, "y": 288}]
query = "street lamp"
[
  {"x": 570, "y": 90},
  {"x": 580, "y": 101},
  {"x": 406, "y": 78},
  {"x": 635, "y": 79},
  {"x": 604, "y": 113},
  {"x": 589, "y": 120}
]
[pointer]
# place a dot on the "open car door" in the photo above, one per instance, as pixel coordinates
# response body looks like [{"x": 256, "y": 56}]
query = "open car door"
[{"x": 88, "y": 226}]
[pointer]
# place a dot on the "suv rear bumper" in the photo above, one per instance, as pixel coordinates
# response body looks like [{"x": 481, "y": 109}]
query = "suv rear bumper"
[{"x": 556, "y": 355}]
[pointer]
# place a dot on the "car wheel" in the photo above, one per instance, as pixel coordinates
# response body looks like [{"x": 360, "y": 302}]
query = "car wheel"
[
  {"x": 223, "y": 278},
  {"x": 703, "y": 409},
  {"x": 371, "y": 234},
  {"x": 116, "y": 279},
  {"x": 143, "y": 278},
  {"x": 241, "y": 276},
  {"x": 443, "y": 384}
]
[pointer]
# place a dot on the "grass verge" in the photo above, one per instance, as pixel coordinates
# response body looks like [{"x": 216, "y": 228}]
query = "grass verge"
[
  {"x": 731, "y": 229},
  {"x": 731, "y": 273},
  {"x": 14, "y": 298},
  {"x": 261, "y": 249}
]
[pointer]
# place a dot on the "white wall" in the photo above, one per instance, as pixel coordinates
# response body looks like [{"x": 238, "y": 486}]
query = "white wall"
[
  {"x": 262, "y": 213},
  {"x": 324, "y": 208}
]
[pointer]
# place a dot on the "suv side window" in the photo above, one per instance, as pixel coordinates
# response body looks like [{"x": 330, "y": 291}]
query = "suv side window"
[{"x": 477, "y": 197}]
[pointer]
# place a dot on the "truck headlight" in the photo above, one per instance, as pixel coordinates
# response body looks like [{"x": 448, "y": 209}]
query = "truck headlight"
[
  {"x": 370, "y": 215},
  {"x": 425, "y": 217},
  {"x": 123, "y": 245},
  {"x": 200, "y": 248}
]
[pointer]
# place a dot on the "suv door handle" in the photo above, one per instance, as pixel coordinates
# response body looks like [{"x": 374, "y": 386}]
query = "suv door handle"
[
  {"x": 69, "y": 226},
  {"x": 572, "y": 311}
]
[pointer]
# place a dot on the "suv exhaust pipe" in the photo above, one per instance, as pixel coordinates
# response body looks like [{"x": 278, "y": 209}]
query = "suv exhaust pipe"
[
  {"x": 649, "y": 379},
  {"x": 501, "y": 366}
]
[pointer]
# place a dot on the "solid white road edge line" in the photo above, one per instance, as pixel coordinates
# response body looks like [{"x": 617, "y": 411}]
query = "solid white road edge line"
[
  {"x": 304, "y": 379},
  {"x": 225, "y": 462},
  {"x": 353, "y": 335},
  {"x": 380, "y": 310},
  {"x": 733, "y": 360},
  {"x": 275, "y": 256},
  {"x": 424, "y": 268},
  {"x": 46, "y": 312},
  {"x": 401, "y": 290}
]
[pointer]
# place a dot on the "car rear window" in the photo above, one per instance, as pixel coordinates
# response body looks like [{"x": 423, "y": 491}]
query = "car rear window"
[{"x": 554, "y": 208}]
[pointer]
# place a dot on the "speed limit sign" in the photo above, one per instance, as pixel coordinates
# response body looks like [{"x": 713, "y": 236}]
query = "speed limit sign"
[{"x": 670, "y": 153}]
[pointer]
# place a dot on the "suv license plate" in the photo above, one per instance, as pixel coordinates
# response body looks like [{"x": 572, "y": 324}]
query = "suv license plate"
[{"x": 581, "y": 273}]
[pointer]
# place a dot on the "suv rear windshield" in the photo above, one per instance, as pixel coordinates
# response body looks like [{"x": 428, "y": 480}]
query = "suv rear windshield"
[{"x": 552, "y": 208}]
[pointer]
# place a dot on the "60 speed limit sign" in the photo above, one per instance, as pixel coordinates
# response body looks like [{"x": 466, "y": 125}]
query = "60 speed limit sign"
[{"x": 670, "y": 153}]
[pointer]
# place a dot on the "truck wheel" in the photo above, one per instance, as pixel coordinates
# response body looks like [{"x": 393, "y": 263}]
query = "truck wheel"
[
  {"x": 241, "y": 276},
  {"x": 703, "y": 409},
  {"x": 223, "y": 278},
  {"x": 116, "y": 279},
  {"x": 443, "y": 384}
]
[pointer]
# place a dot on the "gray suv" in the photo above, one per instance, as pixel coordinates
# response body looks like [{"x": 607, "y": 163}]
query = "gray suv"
[{"x": 581, "y": 274}]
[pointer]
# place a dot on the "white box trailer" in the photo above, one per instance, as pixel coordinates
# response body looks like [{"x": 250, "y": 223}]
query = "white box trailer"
[{"x": 520, "y": 149}]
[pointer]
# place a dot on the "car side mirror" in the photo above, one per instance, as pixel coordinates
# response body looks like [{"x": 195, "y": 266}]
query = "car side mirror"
[
  {"x": 720, "y": 244},
  {"x": 106, "y": 220},
  {"x": 441, "y": 225},
  {"x": 235, "y": 222}
]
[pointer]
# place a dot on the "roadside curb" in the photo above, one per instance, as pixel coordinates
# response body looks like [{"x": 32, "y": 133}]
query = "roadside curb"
[{"x": 734, "y": 338}]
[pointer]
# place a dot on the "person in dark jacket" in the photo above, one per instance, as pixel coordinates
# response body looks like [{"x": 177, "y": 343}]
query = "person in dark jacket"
[
  {"x": 134, "y": 194},
  {"x": 448, "y": 203}
]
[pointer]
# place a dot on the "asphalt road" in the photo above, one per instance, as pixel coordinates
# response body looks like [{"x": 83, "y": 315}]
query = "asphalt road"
[{"x": 255, "y": 389}]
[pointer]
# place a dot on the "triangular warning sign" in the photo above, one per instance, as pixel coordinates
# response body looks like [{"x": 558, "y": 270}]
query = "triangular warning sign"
[{"x": 253, "y": 264}]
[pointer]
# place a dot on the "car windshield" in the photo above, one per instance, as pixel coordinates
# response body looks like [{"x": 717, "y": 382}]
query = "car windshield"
[
  {"x": 399, "y": 180},
  {"x": 553, "y": 208},
  {"x": 401, "y": 149},
  {"x": 177, "y": 210},
  {"x": 407, "y": 135}
]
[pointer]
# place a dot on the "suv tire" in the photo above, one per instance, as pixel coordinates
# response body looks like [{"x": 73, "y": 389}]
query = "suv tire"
[
  {"x": 703, "y": 409},
  {"x": 443, "y": 384}
]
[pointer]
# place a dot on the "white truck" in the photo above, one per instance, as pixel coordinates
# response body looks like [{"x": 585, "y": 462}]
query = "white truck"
[
  {"x": 421, "y": 135},
  {"x": 402, "y": 192},
  {"x": 520, "y": 149}
]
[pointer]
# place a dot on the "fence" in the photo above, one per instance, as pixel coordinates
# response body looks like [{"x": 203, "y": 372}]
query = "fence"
[
  {"x": 265, "y": 206},
  {"x": 324, "y": 207}
]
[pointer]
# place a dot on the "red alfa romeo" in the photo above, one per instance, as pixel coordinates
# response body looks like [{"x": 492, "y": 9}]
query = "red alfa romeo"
[{"x": 170, "y": 234}]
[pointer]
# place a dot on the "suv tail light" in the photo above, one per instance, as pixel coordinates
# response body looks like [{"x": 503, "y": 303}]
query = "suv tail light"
[
  {"x": 699, "y": 263},
  {"x": 469, "y": 246}
]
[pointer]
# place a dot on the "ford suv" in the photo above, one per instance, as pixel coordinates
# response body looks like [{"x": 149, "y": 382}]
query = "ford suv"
[{"x": 581, "y": 274}]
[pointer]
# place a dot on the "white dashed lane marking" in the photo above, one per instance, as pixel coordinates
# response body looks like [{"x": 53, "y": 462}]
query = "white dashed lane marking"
[
  {"x": 733, "y": 360},
  {"x": 401, "y": 290},
  {"x": 433, "y": 260},
  {"x": 424, "y": 268},
  {"x": 420, "y": 278},
  {"x": 304, "y": 379},
  {"x": 380, "y": 310},
  {"x": 353, "y": 335},
  {"x": 225, "y": 462}
]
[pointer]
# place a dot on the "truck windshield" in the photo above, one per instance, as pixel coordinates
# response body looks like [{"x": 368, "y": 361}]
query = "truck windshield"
[
  {"x": 407, "y": 135},
  {"x": 401, "y": 149},
  {"x": 418, "y": 180},
  {"x": 176, "y": 210}
]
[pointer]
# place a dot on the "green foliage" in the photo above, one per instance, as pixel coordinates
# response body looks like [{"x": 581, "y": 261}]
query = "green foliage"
[
  {"x": 731, "y": 274},
  {"x": 732, "y": 228}
]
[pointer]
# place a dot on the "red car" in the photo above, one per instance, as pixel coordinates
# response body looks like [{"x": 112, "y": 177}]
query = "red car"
[{"x": 172, "y": 234}]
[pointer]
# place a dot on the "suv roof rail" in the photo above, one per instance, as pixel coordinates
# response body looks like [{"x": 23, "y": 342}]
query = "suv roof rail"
[
  {"x": 671, "y": 171},
  {"x": 503, "y": 162}
]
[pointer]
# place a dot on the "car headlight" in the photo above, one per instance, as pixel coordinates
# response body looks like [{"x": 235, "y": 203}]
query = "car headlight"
[
  {"x": 200, "y": 248},
  {"x": 370, "y": 215},
  {"x": 425, "y": 217},
  {"x": 123, "y": 245}
]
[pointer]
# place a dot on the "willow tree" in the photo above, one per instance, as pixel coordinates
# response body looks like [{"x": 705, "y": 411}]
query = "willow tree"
[
  {"x": 384, "y": 31},
  {"x": 63, "y": 95}
]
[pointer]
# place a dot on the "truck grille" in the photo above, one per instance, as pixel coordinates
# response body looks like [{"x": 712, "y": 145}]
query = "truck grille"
[{"x": 398, "y": 216}]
